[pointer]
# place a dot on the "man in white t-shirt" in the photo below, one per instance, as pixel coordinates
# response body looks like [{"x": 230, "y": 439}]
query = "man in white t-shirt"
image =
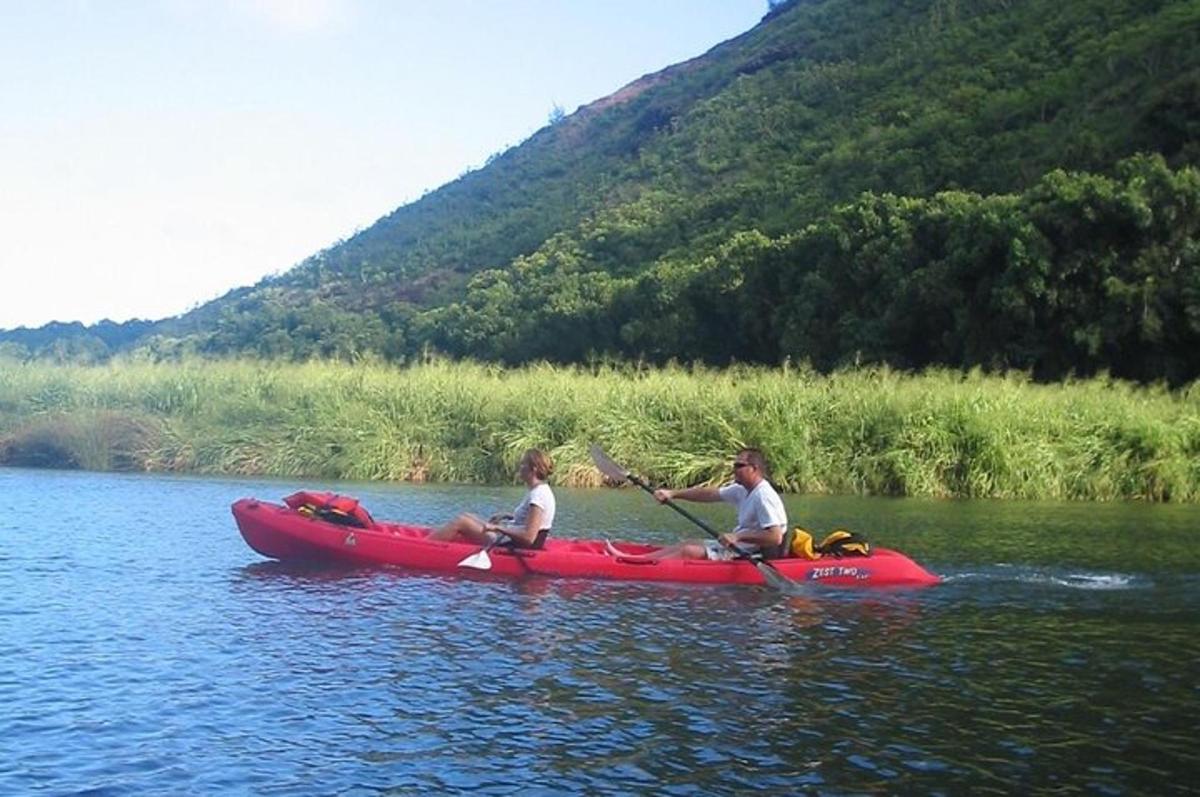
[{"x": 761, "y": 518}]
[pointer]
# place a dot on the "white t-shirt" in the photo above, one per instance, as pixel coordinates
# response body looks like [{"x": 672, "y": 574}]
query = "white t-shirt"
[
  {"x": 540, "y": 496},
  {"x": 757, "y": 509}
]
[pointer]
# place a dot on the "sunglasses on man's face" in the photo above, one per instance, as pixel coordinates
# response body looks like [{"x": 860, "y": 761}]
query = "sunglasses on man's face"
[{"x": 737, "y": 465}]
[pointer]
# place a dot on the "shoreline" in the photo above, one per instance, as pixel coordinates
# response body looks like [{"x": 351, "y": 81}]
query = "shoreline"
[{"x": 868, "y": 431}]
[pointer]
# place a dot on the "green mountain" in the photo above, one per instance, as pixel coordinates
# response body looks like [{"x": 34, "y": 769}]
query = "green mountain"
[{"x": 1001, "y": 183}]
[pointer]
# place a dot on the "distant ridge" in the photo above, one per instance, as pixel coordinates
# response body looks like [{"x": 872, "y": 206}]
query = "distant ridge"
[{"x": 722, "y": 209}]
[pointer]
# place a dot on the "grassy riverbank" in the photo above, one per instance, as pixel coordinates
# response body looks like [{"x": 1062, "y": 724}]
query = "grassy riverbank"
[{"x": 865, "y": 431}]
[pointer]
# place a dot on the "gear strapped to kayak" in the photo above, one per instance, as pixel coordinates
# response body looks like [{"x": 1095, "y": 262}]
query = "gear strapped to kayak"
[
  {"x": 840, "y": 542},
  {"x": 798, "y": 543},
  {"x": 340, "y": 509}
]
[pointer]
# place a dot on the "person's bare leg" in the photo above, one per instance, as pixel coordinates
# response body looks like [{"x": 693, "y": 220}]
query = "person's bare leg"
[
  {"x": 686, "y": 550},
  {"x": 465, "y": 527}
]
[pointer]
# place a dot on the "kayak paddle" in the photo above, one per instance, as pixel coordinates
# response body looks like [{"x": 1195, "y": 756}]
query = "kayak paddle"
[
  {"x": 769, "y": 572},
  {"x": 480, "y": 559}
]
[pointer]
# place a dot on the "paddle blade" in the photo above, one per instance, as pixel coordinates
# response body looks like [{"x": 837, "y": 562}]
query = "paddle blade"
[
  {"x": 606, "y": 466},
  {"x": 478, "y": 560},
  {"x": 779, "y": 581}
]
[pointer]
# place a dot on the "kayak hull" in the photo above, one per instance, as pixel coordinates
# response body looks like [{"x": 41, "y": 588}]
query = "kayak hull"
[{"x": 278, "y": 532}]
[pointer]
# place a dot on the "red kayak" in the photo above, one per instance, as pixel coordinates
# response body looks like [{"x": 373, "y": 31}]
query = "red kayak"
[{"x": 292, "y": 531}]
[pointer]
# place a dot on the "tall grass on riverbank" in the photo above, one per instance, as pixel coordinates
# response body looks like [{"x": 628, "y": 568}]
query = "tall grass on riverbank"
[{"x": 870, "y": 431}]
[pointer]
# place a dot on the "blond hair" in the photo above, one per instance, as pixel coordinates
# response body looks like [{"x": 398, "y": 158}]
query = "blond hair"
[{"x": 539, "y": 461}]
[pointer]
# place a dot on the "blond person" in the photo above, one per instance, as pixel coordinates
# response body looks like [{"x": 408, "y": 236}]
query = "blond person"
[{"x": 530, "y": 521}]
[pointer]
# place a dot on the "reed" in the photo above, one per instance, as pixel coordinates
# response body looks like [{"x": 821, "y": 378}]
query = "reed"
[{"x": 866, "y": 431}]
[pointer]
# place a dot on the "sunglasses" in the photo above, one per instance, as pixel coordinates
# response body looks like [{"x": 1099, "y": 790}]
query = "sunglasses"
[{"x": 737, "y": 465}]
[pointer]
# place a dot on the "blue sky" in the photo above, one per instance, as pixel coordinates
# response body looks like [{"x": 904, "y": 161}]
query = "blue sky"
[{"x": 156, "y": 153}]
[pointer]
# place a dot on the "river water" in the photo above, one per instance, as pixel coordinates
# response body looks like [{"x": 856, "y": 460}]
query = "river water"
[{"x": 145, "y": 649}]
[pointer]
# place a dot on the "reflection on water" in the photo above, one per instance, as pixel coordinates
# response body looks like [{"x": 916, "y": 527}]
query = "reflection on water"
[{"x": 145, "y": 649}]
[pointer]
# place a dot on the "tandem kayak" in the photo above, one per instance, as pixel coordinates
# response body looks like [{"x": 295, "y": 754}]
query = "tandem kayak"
[{"x": 279, "y": 531}]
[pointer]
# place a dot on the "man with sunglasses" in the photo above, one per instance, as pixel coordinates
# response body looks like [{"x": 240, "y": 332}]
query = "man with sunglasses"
[{"x": 761, "y": 519}]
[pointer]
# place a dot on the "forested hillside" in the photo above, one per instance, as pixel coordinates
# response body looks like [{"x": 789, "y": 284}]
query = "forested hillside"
[{"x": 1003, "y": 183}]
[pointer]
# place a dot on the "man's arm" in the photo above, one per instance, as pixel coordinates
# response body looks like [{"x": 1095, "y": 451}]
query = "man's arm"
[
  {"x": 701, "y": 494},
  {"x": 764, "y": 538}
]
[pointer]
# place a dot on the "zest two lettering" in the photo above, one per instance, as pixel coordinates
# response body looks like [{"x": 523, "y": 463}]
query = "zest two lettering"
[{"x": 838, "y": 571}]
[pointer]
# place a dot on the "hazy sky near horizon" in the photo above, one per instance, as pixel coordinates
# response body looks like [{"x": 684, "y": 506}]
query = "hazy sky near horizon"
[{"x": 157, "y": 153}]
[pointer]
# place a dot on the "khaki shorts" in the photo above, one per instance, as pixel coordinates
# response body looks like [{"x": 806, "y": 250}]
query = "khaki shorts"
[{"x": 716, "y": 552}]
